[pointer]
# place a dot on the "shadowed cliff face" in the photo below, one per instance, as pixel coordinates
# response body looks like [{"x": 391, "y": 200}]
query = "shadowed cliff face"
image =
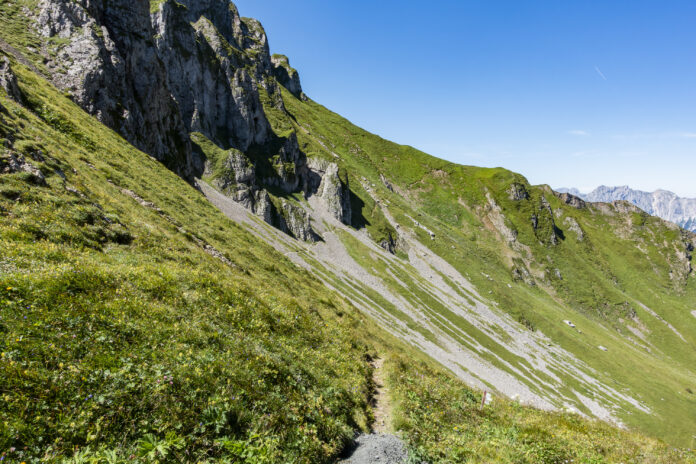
[
  {"x": 156, "y": 73},
  {"x": 111, "y": 68}
]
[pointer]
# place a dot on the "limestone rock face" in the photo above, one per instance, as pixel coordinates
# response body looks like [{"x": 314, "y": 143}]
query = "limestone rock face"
[
  {"x": 112, "y": 70},
  {"x": 574, "y": 227},
  {"x": 287, "y": 76},
  {"x": 188, "y": 66},
  {"x": 544, "y": 225},
  {"x": 518, "y": 192},
  {"x": 571, "y": 200},
  {"x": 334, "y": 192},
  {"x": 495, "y": 215},
  {"x": 289, "y": 165},
  {"x": 208, "y": 71},
  {"x": 295, "y": 221}
]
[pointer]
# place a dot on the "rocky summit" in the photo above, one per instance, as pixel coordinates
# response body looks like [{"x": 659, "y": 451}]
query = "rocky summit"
[{"x": 200, "y": 263}]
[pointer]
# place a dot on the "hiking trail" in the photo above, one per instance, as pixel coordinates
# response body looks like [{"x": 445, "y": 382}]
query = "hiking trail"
[{"x": 380, "y": 446}]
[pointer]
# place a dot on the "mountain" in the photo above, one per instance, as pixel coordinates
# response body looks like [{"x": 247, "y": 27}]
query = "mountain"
[
  {"x": 661, "y": 203},
  {"x": 202, "y": 264}
]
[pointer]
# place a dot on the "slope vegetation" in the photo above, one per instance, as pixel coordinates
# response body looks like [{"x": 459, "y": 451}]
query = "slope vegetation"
[{"x": 225, "y": 304}]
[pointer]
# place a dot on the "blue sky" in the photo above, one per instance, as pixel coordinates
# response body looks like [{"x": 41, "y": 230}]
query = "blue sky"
[{"x": 568, "y": 93}]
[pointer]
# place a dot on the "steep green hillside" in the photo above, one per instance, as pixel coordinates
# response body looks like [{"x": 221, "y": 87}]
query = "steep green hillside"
[
  {"x": 139, "y": 324},
  {"x": 622, "y": 277},
  {"x": 233, "y": 313},
  {"x": 134, "y": 315}
]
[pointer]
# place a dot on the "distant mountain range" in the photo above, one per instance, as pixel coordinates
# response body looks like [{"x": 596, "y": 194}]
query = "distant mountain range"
[{"x": 661, "y": 203}]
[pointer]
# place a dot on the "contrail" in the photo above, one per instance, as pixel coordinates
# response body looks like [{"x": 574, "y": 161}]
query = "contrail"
[{"x": 601, "y": 74}]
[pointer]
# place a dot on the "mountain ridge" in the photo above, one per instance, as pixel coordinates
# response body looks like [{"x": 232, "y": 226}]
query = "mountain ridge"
[{"x": 661, "y": 203}]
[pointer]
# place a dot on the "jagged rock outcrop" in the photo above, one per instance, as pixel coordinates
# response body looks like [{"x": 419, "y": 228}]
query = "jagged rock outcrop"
[
  {"x": 8, "y": 81},
  {"x": 389, "y": 244},
  {"x": 497, "y": 219},
  {"x": 201, "y": 44},
  {"x": 518, "y": 192},
  {"x": 574, "y": 227},
  {"x": 190, "y": 66},
  {"x": 333, "y": 190},
  {"x": 11, "y": 162},
  {"x": 287, "y": 76},
  {"x": 295, "y": 221},
  {"x": 386, "y": 182},
  {"x": 112, "y": 70},
  {"x": 571, "y": 200},
  {"x": 544, "y": 225},
  {"x": 521, "y": 273},
  {"x": 288, "y": 163}
]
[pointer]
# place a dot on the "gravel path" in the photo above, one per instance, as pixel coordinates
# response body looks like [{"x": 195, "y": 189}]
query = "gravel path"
[
  {"x": 377, "y": 449},
  {"x": 381, "y": 404}
]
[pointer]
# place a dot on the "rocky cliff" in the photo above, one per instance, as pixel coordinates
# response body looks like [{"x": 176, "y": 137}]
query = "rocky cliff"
[{"x": 157, "y": 72}]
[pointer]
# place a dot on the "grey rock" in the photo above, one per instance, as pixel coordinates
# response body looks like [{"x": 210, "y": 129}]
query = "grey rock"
[
  {"x": 386, "y": 183},
  {"x": 12, "y": 162},
  {"x": 571, "y": 200},
  {"x": 287, "y": 76},
  {"x": 289, "y": 164},
  {"x": 111, "y": 68},
  {"x": 334, "y": 191},
  {"x": 8, "y": 81},
  {"x": 207, "y": 72},
  {"x": 189, "y": 66},
  {"x": 257, "y": 201},
  {"x": 518, "y": 192},
  {"x": 295, "y": 221},
  {"x": 572, "y": 191},
  {"x": 521, "y": 273},
  {"x": 574, "y": 227},
  {"x": 497, "y": 218},
  {"x": 241, "y": 168},
  {"x": 389, "y": 244}
]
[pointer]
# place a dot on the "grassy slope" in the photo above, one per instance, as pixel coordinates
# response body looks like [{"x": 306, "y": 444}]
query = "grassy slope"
[
  {"x": 122, "y": 339},
  {"x": 602, "y": 278},
  {"x": 117, "y": 326}
]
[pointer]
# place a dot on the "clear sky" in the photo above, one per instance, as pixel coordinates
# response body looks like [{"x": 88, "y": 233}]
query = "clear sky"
[{"x": 569, "y": 93}]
